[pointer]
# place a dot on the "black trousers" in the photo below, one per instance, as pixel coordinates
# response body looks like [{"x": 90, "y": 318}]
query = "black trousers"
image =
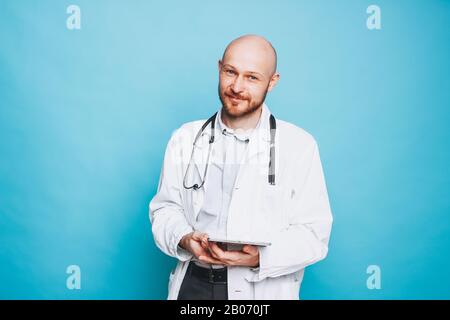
[{"x": 197, "y": 285}]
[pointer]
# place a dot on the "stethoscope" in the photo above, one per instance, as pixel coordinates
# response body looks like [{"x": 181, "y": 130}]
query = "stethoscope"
[{"x": 212, "y": 120}]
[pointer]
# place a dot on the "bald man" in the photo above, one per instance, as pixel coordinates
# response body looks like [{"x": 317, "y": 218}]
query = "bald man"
[{"x": 240, "y": 190}]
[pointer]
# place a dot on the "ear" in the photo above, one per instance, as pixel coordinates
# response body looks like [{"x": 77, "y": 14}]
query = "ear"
[
  {"x": 273, "y": 81},
  {"x": 220, "y": 65}
]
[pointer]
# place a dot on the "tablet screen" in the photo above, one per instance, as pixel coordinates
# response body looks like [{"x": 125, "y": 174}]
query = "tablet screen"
[{"x": 242, "y": 242}]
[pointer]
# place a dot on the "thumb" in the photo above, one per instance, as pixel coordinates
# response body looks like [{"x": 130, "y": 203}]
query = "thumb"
[
  {"x": 248, "y": 248},
  {"x": 199, "y": 235}
]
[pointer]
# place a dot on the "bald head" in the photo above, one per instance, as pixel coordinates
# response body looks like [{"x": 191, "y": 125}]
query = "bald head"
[
  {"x": 254, "y": 52},
  {"x": 247, "y": 72}
]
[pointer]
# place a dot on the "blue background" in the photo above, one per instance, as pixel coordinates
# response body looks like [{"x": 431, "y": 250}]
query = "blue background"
[{"x": 85, "y": 116}]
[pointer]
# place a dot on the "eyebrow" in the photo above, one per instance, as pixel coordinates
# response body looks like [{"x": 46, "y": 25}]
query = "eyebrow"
[{"x": 252, "y": 72}]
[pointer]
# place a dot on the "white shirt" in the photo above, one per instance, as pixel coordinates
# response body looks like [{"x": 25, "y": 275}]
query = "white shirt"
[{"x": 227, "y": 153}]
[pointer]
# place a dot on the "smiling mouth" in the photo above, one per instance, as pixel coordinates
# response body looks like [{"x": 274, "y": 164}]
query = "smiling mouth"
[{"x": 234, "y": 99}]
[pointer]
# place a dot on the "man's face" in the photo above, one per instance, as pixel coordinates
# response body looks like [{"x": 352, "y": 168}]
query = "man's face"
[
  {"x": 247, "y": 72},
  {"x": 241, "y": 90}
]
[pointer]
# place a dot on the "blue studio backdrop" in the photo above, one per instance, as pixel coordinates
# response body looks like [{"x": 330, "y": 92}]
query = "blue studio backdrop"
[{"x": 90, "y": 92}]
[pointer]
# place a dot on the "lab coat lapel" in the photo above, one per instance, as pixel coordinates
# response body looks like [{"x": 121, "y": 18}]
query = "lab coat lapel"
[{"x": 200, "y": 159}]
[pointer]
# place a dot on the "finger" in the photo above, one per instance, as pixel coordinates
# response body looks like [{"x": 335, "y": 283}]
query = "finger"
[
  {"x": 196, "y": 235},
  {"x": 215, "y": 247},
  {"x": 208, "y": 259},
  {"x": 216, "y": 251},
  {"x": 204, "y": 246},
  {"x": 212, "y": 252},
  {"x": 199, "y": 236},
  {"x": 202, "y": 250},
  {"x": 249, "y": 249},
  {"x": 236, "y": 258}
]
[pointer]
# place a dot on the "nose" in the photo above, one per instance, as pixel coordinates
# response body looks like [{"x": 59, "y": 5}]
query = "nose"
[{"x": 237, "y": 87}]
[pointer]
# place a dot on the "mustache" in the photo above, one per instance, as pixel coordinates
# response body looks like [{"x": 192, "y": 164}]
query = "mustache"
[{"x": 231, "y": 95}]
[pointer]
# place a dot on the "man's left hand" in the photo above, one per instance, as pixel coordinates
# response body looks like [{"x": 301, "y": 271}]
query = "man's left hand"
[{"x": 248, "y": 256}]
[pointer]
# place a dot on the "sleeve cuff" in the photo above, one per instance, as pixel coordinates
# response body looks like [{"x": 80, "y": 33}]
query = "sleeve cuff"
[{"x": 181, "y": 253}]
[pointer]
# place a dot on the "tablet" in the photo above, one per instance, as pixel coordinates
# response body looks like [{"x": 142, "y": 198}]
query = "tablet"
[{"x": 253, "y": 243}]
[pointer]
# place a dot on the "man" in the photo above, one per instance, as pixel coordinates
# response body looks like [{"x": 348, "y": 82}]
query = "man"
[{"x": 241, "y": 177}]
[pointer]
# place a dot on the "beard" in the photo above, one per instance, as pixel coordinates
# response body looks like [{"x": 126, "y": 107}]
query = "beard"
[{"x": 236, "y": 111}]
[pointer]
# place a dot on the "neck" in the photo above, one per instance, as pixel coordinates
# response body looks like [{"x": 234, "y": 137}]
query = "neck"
[{"x": 245, "y": 122}]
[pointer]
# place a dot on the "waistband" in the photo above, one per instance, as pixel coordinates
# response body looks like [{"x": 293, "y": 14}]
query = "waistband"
[
  {"x": 213, "y": 276},
  {"x": 207, "y": 265}
]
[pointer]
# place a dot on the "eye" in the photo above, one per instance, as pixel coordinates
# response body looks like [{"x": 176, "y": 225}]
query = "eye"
[
  {"x": 230, "y": 72},
  {"x": 253, "y": 78}
]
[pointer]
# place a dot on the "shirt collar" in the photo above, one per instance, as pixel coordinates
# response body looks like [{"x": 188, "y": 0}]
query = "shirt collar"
[{"x": 240, "y": 134}]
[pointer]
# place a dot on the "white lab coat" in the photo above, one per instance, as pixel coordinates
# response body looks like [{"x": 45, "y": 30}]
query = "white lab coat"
[{"x": 294, "y": 215}]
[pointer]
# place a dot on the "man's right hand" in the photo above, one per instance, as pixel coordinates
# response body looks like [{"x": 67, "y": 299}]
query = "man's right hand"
[{"x": 197, "y": 243}]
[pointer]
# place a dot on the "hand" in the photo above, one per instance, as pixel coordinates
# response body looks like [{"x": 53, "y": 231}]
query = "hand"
[
  {"x": 192, "y": 242},
  {"x": 248, "y": 256}
]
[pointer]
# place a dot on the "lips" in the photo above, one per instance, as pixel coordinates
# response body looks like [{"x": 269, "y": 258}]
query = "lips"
[{"x": 234, "y": 99}]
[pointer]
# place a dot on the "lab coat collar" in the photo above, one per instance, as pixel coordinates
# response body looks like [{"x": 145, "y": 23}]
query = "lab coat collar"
[
  {"x": 259, "y": 142},
  {"x": 261, "y": 132},
  {"x": 238, "y": 134}
]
